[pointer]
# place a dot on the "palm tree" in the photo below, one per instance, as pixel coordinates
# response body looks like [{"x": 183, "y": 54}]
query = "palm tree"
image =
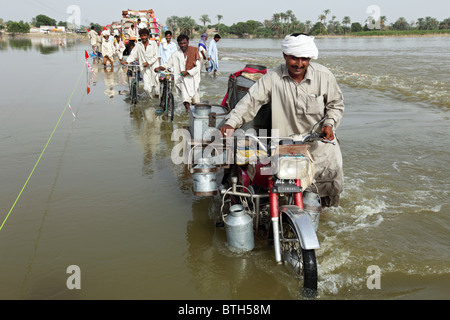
[
  {"x": 326, "y": 12},
  {"x": 172, "y": 23},
  {"x": 276, "y": 17},
  {"x": 383, "y": 19},
  {"x": 346, "y": 21},
  {"x": 283, "y": 21},
  {"x": 322, "y": 18},
  {"x": 308, "y": 26},
  {"x": 219, "y": 17},
  {"x": 289, "y": 16},
  {"x": 401, "y": 24},
  {"x": 204, "y": 18},
  {"x": 186, "y": 24}
]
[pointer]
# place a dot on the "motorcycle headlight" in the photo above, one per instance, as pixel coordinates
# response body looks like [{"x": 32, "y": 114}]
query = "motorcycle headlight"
[{"x": 295, "y": 167}]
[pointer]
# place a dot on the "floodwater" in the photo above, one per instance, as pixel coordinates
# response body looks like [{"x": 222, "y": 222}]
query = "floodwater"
[{"x": 100, "y": 191}]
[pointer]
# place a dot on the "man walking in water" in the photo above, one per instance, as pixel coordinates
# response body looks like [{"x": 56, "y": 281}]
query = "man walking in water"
[
  {"x": 213, "y": 54},
  {"x": 92, "y": 34},
  {"x": 145, "y": 52},
  {"x": 186, "y": 68},
  {"x": 301, "y": 93}
]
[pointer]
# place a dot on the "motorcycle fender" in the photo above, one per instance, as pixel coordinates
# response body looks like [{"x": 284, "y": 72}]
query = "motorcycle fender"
[{"x": 303, "y": 226}]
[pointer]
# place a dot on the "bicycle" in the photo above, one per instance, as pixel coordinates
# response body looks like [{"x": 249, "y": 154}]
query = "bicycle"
[
  {"x": 166, "y": 103},
  {"x": 134, "y": 73}
]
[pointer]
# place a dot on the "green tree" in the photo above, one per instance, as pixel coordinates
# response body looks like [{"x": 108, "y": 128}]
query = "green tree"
[
  {"x": 172, "y": 23},
  {"x": 43, "y": 20},
  {"x": 356, "y": 27},
  {"x": 308, "y": 26},
  {"x": 97, "y": 27},
  {"x": 401, "y": 24},
  {"x": 219, "y": 17},
  {"x": 321, "y": 29},
  {"x": 445, "y": 24},
  {"x": 252, "y": 26},
  {"x": 186, "y": 25},
  {"x": 346, "y": 21},
  {"x": 17, "y": 27},
  {"x": 383, "y": 20},
  {"x": 239, "y": 29},
  {"x": 204, "y": 19}
]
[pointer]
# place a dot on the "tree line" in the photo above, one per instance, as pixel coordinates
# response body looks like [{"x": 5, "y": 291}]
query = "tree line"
[
  {"x": 284, "y": 23},
  {"x": 277, "y": 26},
  {"x": 24, "y": 27}
]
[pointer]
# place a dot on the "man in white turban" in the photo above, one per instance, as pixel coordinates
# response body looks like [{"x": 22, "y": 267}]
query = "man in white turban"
[
  {"x": 300, "y": 93},
  {"x": 108, "y": 49}
]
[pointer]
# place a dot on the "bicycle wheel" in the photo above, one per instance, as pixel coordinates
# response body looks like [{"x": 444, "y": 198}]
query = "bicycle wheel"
[
  {"x": 134, "y": 92},
  {"x": 162, "y": 101},
  {"x": 170, "y": 106},
  {"x": 303, "y": 262}
]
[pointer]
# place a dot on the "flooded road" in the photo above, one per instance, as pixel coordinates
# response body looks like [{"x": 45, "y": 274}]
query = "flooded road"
[{"x": 99, "y": 191}]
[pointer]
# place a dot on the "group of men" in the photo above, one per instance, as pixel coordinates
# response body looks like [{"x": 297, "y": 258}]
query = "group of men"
[
  {"x": 184, "y": 61},
  {"x": 300, "y": 92},
  {"x": 107, "y": 44}
]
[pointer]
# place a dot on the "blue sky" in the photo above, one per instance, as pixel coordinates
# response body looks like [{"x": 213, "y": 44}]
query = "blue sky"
[{"x": 104, "y": 12}]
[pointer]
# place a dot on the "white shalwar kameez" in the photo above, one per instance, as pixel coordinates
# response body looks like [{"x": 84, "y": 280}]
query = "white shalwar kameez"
[
  {"x": 296, "y": 108},
  {"x": 213, "y": 55},
  {"x": 93, "y": 37},
  {"x": 147, "y": 54},
  {"x": 188, "y": 87},
  {"x": 108, "y": 49}
]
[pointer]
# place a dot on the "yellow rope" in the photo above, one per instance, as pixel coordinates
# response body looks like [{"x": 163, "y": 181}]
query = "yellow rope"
[{"x": 42, "y": 153}]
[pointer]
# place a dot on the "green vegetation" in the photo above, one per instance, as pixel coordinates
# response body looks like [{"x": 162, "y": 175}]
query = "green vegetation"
[
  {"x": 17, "y": 27},
  {"x": 400, "y": 32},
  {"x": 284, "y": 23},
  {"x": 279, "y": 25},
  {"x": 38, "y": 21}
]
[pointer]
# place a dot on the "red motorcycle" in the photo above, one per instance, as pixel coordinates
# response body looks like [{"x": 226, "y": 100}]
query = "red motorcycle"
[{"x": 269, "y": 192}]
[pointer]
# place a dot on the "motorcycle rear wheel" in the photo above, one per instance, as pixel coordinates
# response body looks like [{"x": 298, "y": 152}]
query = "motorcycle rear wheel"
[{"x": 303, "y": 262}]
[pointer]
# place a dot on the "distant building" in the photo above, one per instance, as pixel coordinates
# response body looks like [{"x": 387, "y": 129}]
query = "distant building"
[{"x": 52, "y": 29}]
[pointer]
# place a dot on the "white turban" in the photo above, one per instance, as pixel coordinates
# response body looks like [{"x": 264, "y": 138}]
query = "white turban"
[{"x": 301, "y": 46}]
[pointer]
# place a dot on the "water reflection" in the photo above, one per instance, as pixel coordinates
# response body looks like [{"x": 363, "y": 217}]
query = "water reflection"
[
  {"x": 110, "y": 83},
  {"x": 42, "y": 45},
  {"x": 220, "y": 273},
  {"x": 153, "y": 134}
]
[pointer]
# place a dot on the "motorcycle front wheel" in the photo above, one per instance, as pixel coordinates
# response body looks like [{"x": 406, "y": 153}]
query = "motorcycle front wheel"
[{"x": 303, "y": 262}]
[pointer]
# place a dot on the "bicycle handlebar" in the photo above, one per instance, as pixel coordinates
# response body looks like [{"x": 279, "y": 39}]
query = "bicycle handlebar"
[{"x": 166, "y": 72}]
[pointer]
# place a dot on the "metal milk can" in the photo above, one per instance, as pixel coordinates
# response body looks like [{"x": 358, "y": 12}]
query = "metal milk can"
[
  {"x": 204, "y": 176},
  {"x": 239, "y": 229}
]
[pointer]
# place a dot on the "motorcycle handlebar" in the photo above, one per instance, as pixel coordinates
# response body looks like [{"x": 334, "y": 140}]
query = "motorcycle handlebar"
[{"x": 310, "y": 137}]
